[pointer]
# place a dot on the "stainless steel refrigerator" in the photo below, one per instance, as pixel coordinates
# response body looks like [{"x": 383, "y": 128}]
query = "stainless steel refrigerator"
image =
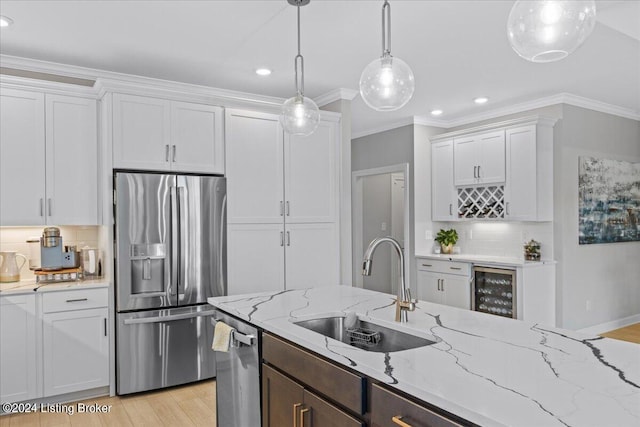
[{"x": 170, "y": 257}]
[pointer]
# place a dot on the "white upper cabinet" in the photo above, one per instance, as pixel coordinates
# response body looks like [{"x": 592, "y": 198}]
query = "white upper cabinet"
[
  {"x": 22, "y": 158},
  {"x": 312, "y": 258},
  {"x": 310, "y": 176},
  {"x": 72, "y": 160},
  {"x": 479, "y": 159},
  {"x": 529, "y": 186},
  {"x": 49, "y": 159},
  {"x": 158, "y": 134},
  {"x": 443, "y": 206}
]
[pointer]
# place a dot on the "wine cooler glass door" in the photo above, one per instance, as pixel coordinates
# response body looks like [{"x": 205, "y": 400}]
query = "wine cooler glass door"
[{"x": 494, "y": 291}]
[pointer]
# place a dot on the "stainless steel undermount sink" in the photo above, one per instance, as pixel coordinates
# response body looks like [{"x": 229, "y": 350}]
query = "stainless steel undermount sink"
[{"x": 365, "y": 335}]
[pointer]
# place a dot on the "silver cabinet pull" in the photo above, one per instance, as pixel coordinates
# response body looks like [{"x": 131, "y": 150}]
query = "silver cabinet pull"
[
  {"x": 507, "y": 206},
  {"x": 174, "y": 153},
  {"x": 455, "y": 268},
  {"x": 474, "y": 171},
  {"x": 50, "y": 206},
  {"x": 438, "y": 284},
  {"x": 442, "y": 285},
  {"x": 287, "y": 208},
  {"x": 450, "y": 209},
  {"x": 105, "y": 326},
  {"x": 281, "y": 238},
  {"x": 478, "y": 171},
  {"x": 288, "y": 239},
  {"x": 426, "y": 265},
  {"x": 281, "y": 208},
  {"x": 166, "y": 153},
  {"x": 41, "y": 207},
  {"x": 77, "y": 300}
]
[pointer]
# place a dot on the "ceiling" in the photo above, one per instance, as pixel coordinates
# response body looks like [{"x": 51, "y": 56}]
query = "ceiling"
[{"x": 458, "y": 50}]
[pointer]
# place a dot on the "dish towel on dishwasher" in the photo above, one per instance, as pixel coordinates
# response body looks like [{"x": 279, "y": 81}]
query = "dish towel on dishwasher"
[{"x": 221, "y": 337}]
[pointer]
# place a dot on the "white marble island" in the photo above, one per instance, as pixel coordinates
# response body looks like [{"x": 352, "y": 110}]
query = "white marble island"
[{"x": 485, "y": 369}]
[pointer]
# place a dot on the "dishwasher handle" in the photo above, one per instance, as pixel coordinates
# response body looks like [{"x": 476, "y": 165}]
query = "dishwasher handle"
[
  {"x": 171, "y": 318},
  {"x": 237, "y": 338}
]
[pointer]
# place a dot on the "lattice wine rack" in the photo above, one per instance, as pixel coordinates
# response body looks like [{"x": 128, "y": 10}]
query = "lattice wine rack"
[{"x": 481, "y": 202}]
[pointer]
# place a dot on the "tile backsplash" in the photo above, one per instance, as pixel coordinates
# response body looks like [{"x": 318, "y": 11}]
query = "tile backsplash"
[
  {"x": 500, "y": 238},
  {"x": 15, "y": 239}
]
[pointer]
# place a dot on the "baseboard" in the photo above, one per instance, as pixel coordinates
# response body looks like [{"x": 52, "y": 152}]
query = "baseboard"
[
  {"x": 45, "y": 402},
  {"x": 610, "y": 326}
]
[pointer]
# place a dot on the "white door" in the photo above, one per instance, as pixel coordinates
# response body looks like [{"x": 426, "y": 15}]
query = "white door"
[
  {"x": 310, "y": 175},
  {"x": 443, "y": 206},
  {"x": 75, "y": 351},
  {"x": 456, "y": 291},
  {"x": 492, "y": 163},
  {"x": 465, "y": 156},
  {"x": 141, "y": 132},
  {"x": 520, "y": 187},
  {"x": 255, "y": 258},
  {"x": 254, "y": 167},
  {"x": 72, "y": 160},
  {"x": 22, "y": 158},
  {"x": 428, "y": 285},
  {"x": 312, "y": 255},
  {"x": 197, "y": 143},
  {"x": 18, "y": 367}
]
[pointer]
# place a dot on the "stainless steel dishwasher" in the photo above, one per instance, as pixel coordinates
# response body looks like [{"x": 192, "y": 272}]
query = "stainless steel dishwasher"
[{"x": 238, "y": 375}]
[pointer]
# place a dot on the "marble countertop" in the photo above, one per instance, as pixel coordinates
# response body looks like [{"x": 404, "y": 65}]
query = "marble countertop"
[
  {"x": 29, "y": 286},
  {"x": 489, "y": 370},
  {"x": 486, "y": 259}
]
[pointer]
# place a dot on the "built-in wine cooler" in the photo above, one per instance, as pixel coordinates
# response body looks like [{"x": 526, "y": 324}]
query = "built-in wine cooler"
[{"x": 494, "y": 291}]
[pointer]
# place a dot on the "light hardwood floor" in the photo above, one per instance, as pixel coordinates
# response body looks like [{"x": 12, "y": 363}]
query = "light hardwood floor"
[
  {"x": 189, "y": 405},
  {"x": 629, "y": 333}
]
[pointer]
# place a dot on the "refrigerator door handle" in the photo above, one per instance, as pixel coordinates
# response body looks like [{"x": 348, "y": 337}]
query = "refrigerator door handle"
[
  {"x": 182, "y": 250},
  {"x": 173, "y": 279},
  {"x": 157, "y": 319}
]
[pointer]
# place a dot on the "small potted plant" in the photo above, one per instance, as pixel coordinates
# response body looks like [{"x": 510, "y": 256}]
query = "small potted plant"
[{"x": 447, "y": 238}]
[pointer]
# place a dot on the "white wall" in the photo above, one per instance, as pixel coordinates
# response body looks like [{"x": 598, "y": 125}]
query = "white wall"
[
  {"x": 376, "y": 210},
  {"x": 606, "y": 275}
]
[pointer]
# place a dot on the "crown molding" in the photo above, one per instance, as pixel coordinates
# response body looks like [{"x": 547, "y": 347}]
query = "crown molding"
[
  {"x": 521, "y": 121},
  {"x": 336, "y": 95}
]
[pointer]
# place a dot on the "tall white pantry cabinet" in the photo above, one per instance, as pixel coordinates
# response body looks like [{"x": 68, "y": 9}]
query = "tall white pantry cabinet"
[{"x": 282, "y": 206}]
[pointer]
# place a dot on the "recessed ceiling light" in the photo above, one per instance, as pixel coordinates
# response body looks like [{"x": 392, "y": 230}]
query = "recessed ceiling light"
[
  {"x": 436, "y": 112},
  {"x": 263, "y": 71},
  {"x": 481, "y": 100},
  {"x": 5, "y": 21}
]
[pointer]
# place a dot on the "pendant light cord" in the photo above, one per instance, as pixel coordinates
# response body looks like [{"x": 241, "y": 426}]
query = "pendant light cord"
[
  {"x": 386, "y": 29},
  {"x": 299, "y": 60}
]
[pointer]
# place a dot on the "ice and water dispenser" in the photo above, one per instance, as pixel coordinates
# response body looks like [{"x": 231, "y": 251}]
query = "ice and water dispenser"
[{"x": 147, "y": 268}]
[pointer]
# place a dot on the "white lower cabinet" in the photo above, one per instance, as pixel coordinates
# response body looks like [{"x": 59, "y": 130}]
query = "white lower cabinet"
[
  {"x": 18, "y": 340},
  {"x": 447, "y": 289},
  {"x": 75, "y": 350},
  {"x": 61, "y": 348}
]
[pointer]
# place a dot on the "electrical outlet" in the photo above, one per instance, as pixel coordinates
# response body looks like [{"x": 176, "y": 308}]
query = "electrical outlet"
[
  {"x": 588, "y": 305},
  {"x": 428, "y": 235}
]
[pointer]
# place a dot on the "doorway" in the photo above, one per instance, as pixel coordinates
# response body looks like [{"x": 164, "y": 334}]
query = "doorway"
[{"x": 380, "y": 208}]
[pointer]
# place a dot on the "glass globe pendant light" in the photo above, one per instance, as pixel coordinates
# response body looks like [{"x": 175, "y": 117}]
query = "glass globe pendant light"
[
  {"x": 549, "y": 30},
  {"x": 300, "y": 115},
  {"x": 387, "y": 83}
]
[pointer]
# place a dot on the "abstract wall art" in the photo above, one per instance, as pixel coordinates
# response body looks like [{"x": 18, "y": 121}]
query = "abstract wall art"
[{"x": 609, "y": 201}]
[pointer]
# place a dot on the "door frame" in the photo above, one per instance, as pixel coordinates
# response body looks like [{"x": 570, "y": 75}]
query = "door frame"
[{"x": 357, "y": 217}]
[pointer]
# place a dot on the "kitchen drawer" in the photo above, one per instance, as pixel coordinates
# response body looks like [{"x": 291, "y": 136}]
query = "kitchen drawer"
[
  {"x": 78, "y": 299},
  {"x": 448, "y": 267},
  {"x": 392, "y": 410},
  {"x": 328, "y": 379}
]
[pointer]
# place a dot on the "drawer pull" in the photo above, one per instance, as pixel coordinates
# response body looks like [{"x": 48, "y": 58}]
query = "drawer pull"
[
  {"x": 302, "y": 413},
  {"x": 77, "y": 300},
  {"x": 456, "y": 268},
  {"x": 295, "y": 414},
  {"x": 398, "y": 420},
  {"x": 427, "y": 265}
]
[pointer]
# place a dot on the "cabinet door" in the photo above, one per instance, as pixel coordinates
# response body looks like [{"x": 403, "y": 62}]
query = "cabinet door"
[
  {"x": 141, "y": 132},
  {"x": 310, "y": 175},
  {"x": 254, "y": 167},
  {"x": 520, "y": 188},
  {"x": 456, "y": 291},
  {"x": 22, "y": 161},
  {"x": 428, "y": 285},
  {"x": 443, "y": 195},
  {"x": 491, "y": 166},
  {"x": 465, "y": 156},
  {"x": 197, "y": 143},
  {"x": 72, "y": 160},
  {"x": 255, "y": 258},
  {"x": 282, "y": 399},
  {"x": 76, "y": 350},
  {"x": 319, "y": 412},
  {"x": 312, "y": 255},
  {"x": 18, "y": 348}
]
